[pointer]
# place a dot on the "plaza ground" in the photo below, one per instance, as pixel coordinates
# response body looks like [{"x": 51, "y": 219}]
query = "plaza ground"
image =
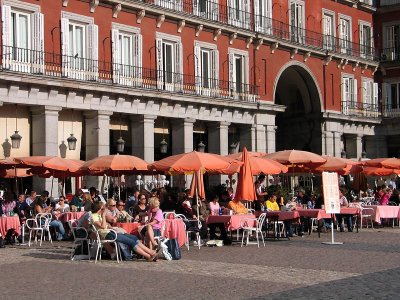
[{"x": 366, "y": 266}]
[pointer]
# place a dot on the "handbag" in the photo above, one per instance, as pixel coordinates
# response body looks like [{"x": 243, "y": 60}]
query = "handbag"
[{"x": 173, "y": 249}]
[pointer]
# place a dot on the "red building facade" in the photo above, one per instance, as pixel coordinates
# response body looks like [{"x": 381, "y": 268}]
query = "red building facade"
[{"x": 269, "y": 75}]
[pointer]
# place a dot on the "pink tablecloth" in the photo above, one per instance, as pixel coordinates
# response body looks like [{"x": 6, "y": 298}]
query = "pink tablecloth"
[
  {"x": 384, "y": 212},
  {"x": 233, "y": 222},
  {"x": 131, "y": 228},
  {"x": 175, "y": 229},
  {"x": 283, "y": 215},
  {"x": 314, "y": 213},
  {"x": 7, "y": 223},
  {"x": 65, "y": 217}
]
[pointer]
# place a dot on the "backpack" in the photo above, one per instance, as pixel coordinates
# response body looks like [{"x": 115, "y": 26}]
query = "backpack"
[
  {"x": 173, "y": 249},
  {"x": 11, "y": 236}
]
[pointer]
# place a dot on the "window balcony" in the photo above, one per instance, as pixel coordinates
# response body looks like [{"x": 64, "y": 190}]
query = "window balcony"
[
  {"x": 360, "y": 109},
  {"x": 390, "y": 111},
  {"x": 213, "y": 11},
  {"x": 390, "y": 55},
  {"x": 47, "y": 64},
  {"x": 388, "y": 2}
]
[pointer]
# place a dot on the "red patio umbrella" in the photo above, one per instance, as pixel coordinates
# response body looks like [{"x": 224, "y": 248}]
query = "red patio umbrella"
[
  {"x": 14, "y": 173},
  {"x": 389, "y": 163},
  {"x": 51, "y": 163},
  {"x": 113, "y": 165},
  {"x": 245, "y": 187},
  {"x": 342, "y": 166},
  {"x": 372, "y": 171},
  {"x": 197, "y": 186}
]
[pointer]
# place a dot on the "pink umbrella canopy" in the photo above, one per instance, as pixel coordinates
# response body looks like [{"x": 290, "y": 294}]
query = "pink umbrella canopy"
[
  {"x": 342, "y": 166},
  {"x": 389, "y": 163},
  {"x": 245, "y": 187},
  {"x": 113, "y": 164},
  {"x": 297, "y": 157},
  {"x": 51, "y": 163}
]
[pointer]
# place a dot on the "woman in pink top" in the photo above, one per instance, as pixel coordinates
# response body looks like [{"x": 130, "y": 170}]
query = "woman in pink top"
[
  {"x": 214, "y": 206},
  {"x": 385, "y": 198},
  {"x": 153, "y": 227}
]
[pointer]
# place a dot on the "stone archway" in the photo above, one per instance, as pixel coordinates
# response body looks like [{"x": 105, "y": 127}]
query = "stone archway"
[{"x": 299, "y": 127}]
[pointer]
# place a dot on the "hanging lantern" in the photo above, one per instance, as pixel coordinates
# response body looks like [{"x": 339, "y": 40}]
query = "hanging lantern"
[
  {"x": 120, "y": 145},
  {"x": 201, "y": 147},
  {"x": 16, "y": 140},
  {"x": 232, "y": 148},
  {"x": 71, "y": 142},
  {"x": 163, "y": 146}
]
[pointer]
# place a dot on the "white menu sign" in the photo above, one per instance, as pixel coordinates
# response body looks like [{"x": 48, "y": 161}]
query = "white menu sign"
[{"x": 330, "y": 186}]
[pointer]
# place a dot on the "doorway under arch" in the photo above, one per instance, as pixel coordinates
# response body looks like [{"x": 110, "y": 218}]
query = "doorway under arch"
[{"x": 299, "y": 126}]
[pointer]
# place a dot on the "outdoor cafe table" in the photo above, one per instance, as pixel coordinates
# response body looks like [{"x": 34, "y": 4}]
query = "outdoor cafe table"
[
  {"x": 65, "y": 217},
  {"x": 232, "y": 222},
  {"x": 174, "y": 229},
  {"x": 384, "y": 212},
  {"x": 7, "y": 223}
]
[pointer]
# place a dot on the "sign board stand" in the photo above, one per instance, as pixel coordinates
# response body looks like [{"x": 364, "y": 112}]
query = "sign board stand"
[{"x": 330, "y": 187}]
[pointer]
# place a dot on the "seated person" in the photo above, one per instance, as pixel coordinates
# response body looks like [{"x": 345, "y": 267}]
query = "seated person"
[
  {"x": 31, "y": 199},
  {"x": 214, "y": 206},
  {"x": 339, "y": 217},
  {"x": 123, "y": 214},
  {"x": 100, "y": 223},
  {"x": 237, "y": 207},
  {"x": 77, "y": 201},
  {"x": 61, "y": 206},
  {"x": 153, "y": 227},
  {"x": 8, "y": 205},
  {"x": 22, "y": 208},
  {"x": 140, "y": 211},
  {"x": 87, "y": 202},
  {"x": 59, "y": 227},
  {"x": 271, "y": 203},
  {"x": 112, "y": 213}
]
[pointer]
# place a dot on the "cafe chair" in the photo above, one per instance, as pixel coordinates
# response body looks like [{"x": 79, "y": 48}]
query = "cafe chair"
[
  {"x": 100, "y": 243},
  {"x": 79, "y": 240},
  {"x": 257, "y": 229},
  {"x": 35, "y": 229},
  {"x": 367, "y": 215},
  {"x": 43, "y": 220}
]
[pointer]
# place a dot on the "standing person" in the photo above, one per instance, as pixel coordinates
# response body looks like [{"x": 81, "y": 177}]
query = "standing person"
[
  {"x": 259, "y": 192},
  {"x": 339, "y": 217}
]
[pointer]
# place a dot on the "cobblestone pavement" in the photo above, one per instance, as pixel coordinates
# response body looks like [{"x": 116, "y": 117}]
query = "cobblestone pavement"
[{"x": 366, "y": 266}]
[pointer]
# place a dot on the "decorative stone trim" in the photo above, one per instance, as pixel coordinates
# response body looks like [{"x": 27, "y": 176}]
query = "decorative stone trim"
[
  {"x": 273, "y": 47},
  {"x": 199, "y": 28},
  {"x": 217, "y": 33},
  {"x": 140, "y": 15},
  {"x": 160, "y": 20},
  {"x": 232, "y": 37},
  {"x": 116, "y": 9},
  {"x": 181, "y": 25},
  {"x": 93, "y": 4},
  {"x": 249, "y": 40}
]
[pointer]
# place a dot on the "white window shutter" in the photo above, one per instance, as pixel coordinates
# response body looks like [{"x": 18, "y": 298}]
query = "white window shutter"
[
  {"x": 215, "y": 75},
  {"x": 247, "y": 15},
  {"x": 344, "y": 98},
  {"x": 196, "y": 7},
  {"x": 37, "y": 29},
  {"x": 116, "y": 56},
  {"x": 160, "y": 70},
  {"x": 231, "y": 79},
  {"x": 231, "y": 12},
  {"x": 65, "y": 47},
  {"x": 388, "y": 95},
  {"x": 257, "y": 17},
  {"x": 197, "y": 69},
  {"x": 178, "y": 66},
  {"x": 364, "y": 91},
  {"x": 375, "y": 91},
  {"x": 6, "y": 36},
  {"x": 138, "y": 58},
  {"x": 93, "y": 51},
  {"x": 214, "y": 10},
  {"x": 355, "y": 91}
]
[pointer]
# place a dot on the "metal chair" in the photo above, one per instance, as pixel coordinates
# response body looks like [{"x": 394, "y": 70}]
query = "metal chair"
[
  {"x": 257, "y": 229},
  {"x": 79, "y": 239},
  {"x": 100, "y": 243}
]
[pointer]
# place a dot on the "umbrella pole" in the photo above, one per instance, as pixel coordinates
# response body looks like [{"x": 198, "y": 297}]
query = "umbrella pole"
[
  {"x": 292, "y": 180},
  {"x": 119, "y": 187},
  {"x": 197, "y": 196},
  {"x": 52, "y": 182}
]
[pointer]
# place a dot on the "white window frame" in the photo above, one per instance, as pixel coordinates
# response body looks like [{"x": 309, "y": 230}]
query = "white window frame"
[
  {"x": 297, "y": 33},
  {"x": 81, "y": 68},
  {"x": 389, "y": 45},
  {"x": 211, "y": 9},
  {"x": 350, "y": 97},
  {"x": 329, "y": 40},
  {"x": 365, "y": 49},
  {"x": 345, "y": 44},
  {"x": 242, "y": 94},
  {"x": 127, "y": 74},
  {"x": 391, "y": 109},
  {"x": 30, "y": 59},
  {"x": 177, "y": 62},
  {"x": 239, "y": 16},
  {"x": 212, "y": 87},
  {"x": 263, "y": 21},
  {"x": 170, "y": 4}
]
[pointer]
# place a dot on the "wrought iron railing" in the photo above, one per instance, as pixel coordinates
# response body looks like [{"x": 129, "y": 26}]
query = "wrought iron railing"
[
  {"x": 390, "y": 54},
  {"x": 391, "y": 110},
  {"x": 212, "y": 10},
  {"x": 82, "y": 69},
  {"x": 360, "y": 109}
]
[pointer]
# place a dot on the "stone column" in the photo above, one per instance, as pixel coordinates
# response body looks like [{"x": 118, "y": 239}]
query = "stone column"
[
  {"x": 247, "y": 137},
  {"x": 271, "y": 138},
  {"x": 337, "y": 144},
  {"x": 359, "y": 145},
  {"x": 143, "y": 136},
  {"x": 261, "y": 143},
  {"x": 218, "y": 137},
  {"x": 97, "y": 143},
  {"x": 218, "y": 134},
  {"x": 182, "y": 135},
  {"x": 45, "y": 142},
  {"x": 329, "y": 146}
]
